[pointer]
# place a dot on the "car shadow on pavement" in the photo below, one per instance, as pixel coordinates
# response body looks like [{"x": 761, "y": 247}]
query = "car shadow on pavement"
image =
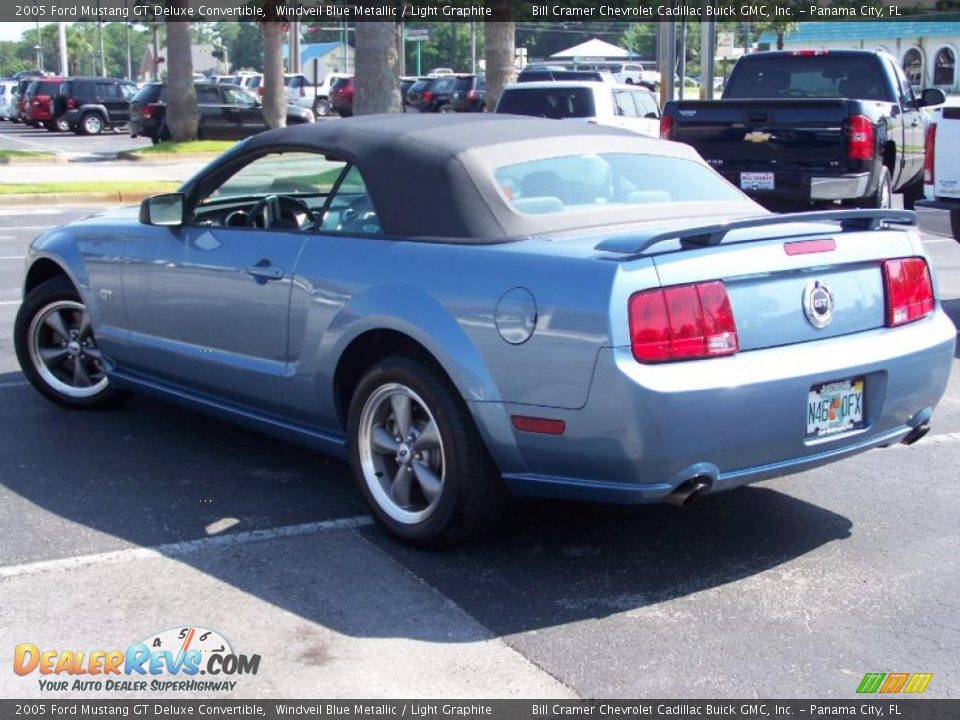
[{"x": 150, "y": 473}]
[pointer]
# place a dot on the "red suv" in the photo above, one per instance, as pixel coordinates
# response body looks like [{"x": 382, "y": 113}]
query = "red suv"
[
  {"x": 341, "y": 96},
  {"x": 40, "y": 105}
]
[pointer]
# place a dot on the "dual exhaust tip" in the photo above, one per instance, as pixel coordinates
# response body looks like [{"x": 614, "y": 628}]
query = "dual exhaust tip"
[{"x": 689, "y": 491}]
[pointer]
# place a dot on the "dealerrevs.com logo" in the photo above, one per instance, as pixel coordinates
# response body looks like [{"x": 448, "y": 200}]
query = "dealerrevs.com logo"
[{"x": 172, "y": 660}]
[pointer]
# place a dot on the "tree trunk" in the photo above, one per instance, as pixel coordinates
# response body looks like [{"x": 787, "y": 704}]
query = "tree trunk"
[
  {"x": 376, "y": 89},
  {"x": 274, "y": 93},
  {"x": 499, "y": 51},
  {"x": 182, "y": 116}
]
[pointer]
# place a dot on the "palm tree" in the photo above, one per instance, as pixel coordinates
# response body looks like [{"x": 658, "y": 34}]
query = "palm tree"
[
  {"x": 274, "y": 92},
  {"x": 182, "y": 116},
  {"x": 499, "y": 51},
  {"x": 378, "y": 64}
]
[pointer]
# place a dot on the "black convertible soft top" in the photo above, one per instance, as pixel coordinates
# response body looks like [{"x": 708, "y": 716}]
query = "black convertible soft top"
[{"x": 431, "y": 175}]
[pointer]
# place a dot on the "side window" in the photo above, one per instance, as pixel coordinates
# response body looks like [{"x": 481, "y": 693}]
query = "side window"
[
  {"x": 279, "y": 191},
  {"x": 624, "y": 103},
  {"x": 208, "y": 96},
  {"x": 646, "y": 105},
  {"x": 904, "y": 89},
  {"x": 351, "y": 210},
  {"x": 109, "y": 91},
  {"x": 238, "y": 97},
  {"x": 128, "y": 90}
]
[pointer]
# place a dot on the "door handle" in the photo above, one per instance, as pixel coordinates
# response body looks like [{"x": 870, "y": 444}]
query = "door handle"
[{"x": 263, "y": 273}]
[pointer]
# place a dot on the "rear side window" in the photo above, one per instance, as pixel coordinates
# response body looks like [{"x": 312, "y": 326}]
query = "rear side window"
[
  {"x": 148, "y": 94},
  {"x": 623, "y": 102},
  {"x": 109, "y": 91},
  {"x": 208, "y": 96},
  {"x": 554, "y": 103},
  {"x": 47, "y": 88},
  {"x": 817, "y": 76}
]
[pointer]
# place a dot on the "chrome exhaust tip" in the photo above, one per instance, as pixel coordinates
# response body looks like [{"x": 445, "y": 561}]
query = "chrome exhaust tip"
[
  {"x": 916, "y": 434},
  {"x": 690, "y": 491}
]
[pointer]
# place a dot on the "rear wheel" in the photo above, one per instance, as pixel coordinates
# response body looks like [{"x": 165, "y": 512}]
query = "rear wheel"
[
  {"x": 882, "y": 197},
  {"x": 57, "y": 349},
  {"x": 91, "y": 124},
  {"x": 447, "y": 109},
  {"x": 418, "y": 458},
  {"x": 321, "y": 107}
]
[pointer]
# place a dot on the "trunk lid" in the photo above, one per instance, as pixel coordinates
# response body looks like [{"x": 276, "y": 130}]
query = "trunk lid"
[{"x": 768, "y": 303}]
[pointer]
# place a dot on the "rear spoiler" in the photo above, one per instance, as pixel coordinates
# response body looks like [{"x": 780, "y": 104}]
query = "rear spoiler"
[{"x": 706, "y": 235}]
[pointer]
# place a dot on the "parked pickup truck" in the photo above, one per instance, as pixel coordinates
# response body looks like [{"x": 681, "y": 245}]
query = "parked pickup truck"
[
  {"x": 941, "y": 171},
  {"x": 810, "y": 127}
]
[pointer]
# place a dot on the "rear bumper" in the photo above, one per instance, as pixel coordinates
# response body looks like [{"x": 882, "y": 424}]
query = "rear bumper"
[
  {"x": 839, "y": 187},
  {"x": 645, "y": 430},
  {"x": 809, "y": 186}
]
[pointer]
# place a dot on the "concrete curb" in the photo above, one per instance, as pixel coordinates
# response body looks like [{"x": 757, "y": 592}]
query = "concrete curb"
[
  {"x": 165, "y": 158},
  {"x": 32, "y": 160},
  {"x": 79, "y": 198}
]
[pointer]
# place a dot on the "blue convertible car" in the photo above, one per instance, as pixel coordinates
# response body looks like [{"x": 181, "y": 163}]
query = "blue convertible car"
[{"x": 469, "y": 307}]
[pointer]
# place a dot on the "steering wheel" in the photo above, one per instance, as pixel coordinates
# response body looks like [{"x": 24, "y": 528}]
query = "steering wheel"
[
  {"x": 358, "y": 216},
  {"x": 273, "y": 210}
]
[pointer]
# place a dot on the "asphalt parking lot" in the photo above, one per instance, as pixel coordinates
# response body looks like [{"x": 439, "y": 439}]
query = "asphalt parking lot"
[
  {"x": 118, "y": 525},
  {"x": 20, "y": 137}
]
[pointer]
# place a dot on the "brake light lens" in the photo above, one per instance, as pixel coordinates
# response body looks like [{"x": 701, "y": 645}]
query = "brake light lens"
[
  {"x": 909, "y": 290},
  {"x": 472, "y": 95},
  {"x": 149, "y": 111},
  {"x": 930, "y": 145},
  {"x": 861, "y": 138},
  {"x": 683, "y": 322},
  {"x": 427, "y": 96},
  {"x": 809, "y": 53},
  {"x": 666, "y": 126}
]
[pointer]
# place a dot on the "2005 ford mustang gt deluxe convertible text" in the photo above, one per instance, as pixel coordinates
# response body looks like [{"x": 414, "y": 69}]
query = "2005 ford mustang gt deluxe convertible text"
[{"x": 466, "y": 307}]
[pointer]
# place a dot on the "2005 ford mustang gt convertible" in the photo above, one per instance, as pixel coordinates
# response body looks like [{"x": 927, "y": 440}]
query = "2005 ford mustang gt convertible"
[{"x": 473, "y": 306}]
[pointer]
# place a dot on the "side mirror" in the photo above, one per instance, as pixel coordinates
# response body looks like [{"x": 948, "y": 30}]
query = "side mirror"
[
  {"x": 165, "y": 210},
  {"x": 932, "y": 96}
]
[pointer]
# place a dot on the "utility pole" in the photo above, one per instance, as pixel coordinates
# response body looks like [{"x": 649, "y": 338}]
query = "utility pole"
[
  {"x": 62, "y": 38},
  {"x": 708, "y": 51},
  {"x": 473, "y": 47},
  {"x": 294, "y": 45},
  {"x": 667, "y": 58},
  {"x": 103, "y": 65},
  {"x": 39, "y": 48},
  {"x": 155, "y": 50}
]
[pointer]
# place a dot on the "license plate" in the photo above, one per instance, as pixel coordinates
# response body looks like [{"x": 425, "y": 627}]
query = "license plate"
[
  {"x": 835, "y": 407},
  {"x": 756, "y": 181}
]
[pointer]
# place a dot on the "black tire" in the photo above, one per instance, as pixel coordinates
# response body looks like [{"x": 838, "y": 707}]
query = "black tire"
[
  {"x": 882, "y": 197},
  {"x": 955, "y": 224},
  {"x": 54, "y": 293},
  {"x": 321, "y": 107},
  {"x": 471, "y": 495},
  {"x": 912, "y": 193},
  {"x": 92, "y": 123}
]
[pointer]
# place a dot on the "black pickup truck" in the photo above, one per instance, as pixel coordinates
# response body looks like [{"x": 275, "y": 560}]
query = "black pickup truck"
[{"x": 811, "y": 127}]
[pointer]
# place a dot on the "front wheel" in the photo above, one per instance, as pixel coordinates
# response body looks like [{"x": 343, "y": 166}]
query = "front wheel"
[
  {"x": 321, "y": 107},
  {"x": 91, "y": 124},
  {"x": 57, "y": 349},
  {"x": 418, "y": 458}
]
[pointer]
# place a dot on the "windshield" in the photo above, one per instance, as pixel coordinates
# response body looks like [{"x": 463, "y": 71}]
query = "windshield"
[{"x": 571, "y": 182}]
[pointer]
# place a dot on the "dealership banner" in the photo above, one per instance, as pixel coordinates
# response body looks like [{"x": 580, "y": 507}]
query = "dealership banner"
[
  {"x": 470, "y": 10},
  {"x": 892, "y": 709}
]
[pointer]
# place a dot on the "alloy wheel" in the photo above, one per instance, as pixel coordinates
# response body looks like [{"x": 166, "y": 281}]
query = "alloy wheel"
[{"x": 63, "y": 350}]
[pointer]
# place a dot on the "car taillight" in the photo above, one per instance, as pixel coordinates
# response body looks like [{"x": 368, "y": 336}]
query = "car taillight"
[
  {"x": 861, "y": 138},
  {"x": 909, "y": 290},
  {"x": 149, "y": 111},
  {"x": 666, "y": 126},
  {"x": 931, "y": 143},
  {"x": 71, "y": 104},
  {"x": 809, "y": 53},
  {"x": 427, "y": 96},
  {"x": 260, "y": 90},
  {"x": 682, "y": 322}
]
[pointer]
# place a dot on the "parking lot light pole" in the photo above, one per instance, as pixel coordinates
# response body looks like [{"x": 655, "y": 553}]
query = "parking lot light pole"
[
  {"x": 39, "y": 48},
  {"x": 708, "y": 52},
  {"x": 62, "y": 41}
]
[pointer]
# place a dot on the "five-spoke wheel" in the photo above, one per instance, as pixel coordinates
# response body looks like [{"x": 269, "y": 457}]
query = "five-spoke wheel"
[{"x": 57, "y": 348}]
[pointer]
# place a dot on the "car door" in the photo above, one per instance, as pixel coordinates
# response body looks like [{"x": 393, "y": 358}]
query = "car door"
[
  {"x": 214, "y": 121},
  {"x": 207, "y": 302},
  {"x": 244, "y": 115},
  {"x": 913, "y": 126}
]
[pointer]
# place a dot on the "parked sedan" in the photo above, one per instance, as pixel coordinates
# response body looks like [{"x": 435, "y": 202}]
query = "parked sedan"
[
  {"x": 226, "y": 113},
  {"x": 583, "y": 313}
]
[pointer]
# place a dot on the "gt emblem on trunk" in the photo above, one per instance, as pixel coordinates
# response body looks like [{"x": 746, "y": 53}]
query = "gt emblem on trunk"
[{"x": 818, "y": 303}]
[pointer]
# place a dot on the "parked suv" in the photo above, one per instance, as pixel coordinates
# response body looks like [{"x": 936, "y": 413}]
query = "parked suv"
[
  {"x": 341, "y": 96},
  {"x": 468, "y": 95},
  {"x": 40, "y": 106},
  {"x": 630, "y": 107},
  {"x": 90, "y": 105}
]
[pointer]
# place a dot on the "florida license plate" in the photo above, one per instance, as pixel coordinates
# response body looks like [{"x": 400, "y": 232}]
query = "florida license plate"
[
  {"x": 835, "y": 407},
  {"x": 756, "y": 181}
]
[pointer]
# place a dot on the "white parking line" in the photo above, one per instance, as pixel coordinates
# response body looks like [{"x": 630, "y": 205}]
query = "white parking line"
[
  {"x": 13, "y": 384},
  {"x": 12, "y": 257},
  {"x": 180, "y": 549},
  {"x": 10, "y": 302},
  {"x": 25, "y": 142}
]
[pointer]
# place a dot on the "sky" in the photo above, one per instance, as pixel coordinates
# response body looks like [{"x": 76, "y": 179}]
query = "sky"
[{"x": 13, "y": 30}]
